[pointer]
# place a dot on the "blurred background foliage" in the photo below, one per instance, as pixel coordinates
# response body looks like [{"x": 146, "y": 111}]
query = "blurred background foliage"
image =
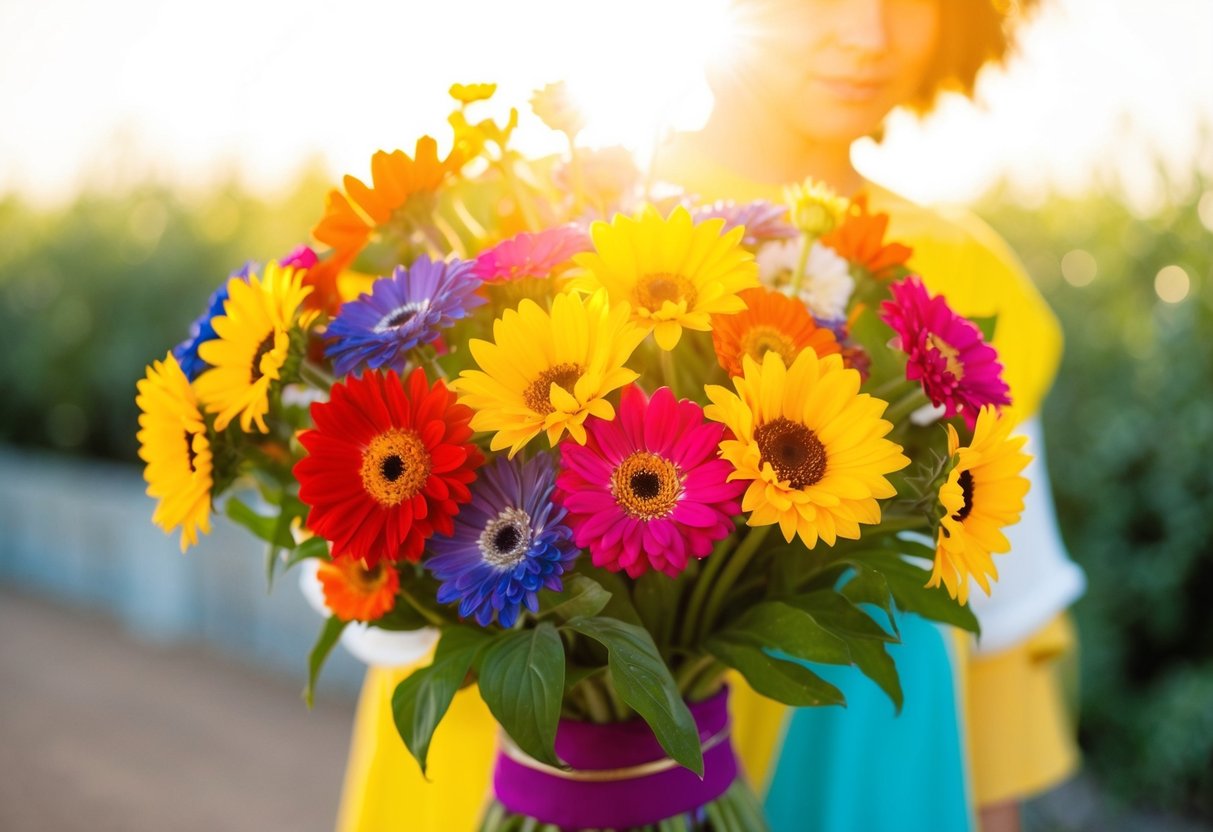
[{"x": 92, "y": 291}]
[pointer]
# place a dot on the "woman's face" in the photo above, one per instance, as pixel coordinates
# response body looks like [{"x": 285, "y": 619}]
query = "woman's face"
[{"x": 830, "y": 70}]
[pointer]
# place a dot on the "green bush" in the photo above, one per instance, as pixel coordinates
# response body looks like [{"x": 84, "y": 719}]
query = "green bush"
[
  {"x": 92, "y": 292},
  {"x": 1130, "y": 441}
]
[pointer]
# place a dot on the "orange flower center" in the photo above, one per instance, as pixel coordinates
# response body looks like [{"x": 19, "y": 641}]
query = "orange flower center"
[
  {"x": 655, "y": 289},
  {"x": 395, "y": 466},
  {"x": 793, "y": 450},
  {"x": 760, "y": 339},
  {"x": 950, "y": 354},
  {"x": 538, "y": 394},
  {"x": 646, "y": 486}
]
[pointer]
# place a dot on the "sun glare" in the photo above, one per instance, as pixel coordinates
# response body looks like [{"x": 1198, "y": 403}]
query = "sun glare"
[{"x": 658, "y": 81}]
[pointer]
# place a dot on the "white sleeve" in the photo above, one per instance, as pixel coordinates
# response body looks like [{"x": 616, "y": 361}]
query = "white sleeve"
[
  {"x": 369, "y": 645},
  {"x": 1036, "y": 579}
]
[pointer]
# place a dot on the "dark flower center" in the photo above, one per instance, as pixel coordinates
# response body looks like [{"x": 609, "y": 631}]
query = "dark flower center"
[
  {"x": 538, "y": 394},
  {"x": 265, "y": 346},
  {"x": 966, "y": 488},
  {"x": 506, "y": 539},
  {"x": 793, "y": 450},
  {"x": 189, "y": 449},
  {"x": 391, "y": 467},
  {"x": 646, "y": 486}
]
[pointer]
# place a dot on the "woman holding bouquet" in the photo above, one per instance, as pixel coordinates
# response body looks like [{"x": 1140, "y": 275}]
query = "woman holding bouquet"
[{"x": 983, "y": 725}]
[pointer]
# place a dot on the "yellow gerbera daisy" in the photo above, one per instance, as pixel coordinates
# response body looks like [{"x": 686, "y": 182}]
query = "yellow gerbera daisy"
[
  {"x": 252, "y": 345},
  {"x": 810, "y": 443},
  {"x": 673, "y": 272},
  {"x": 982, "y": 495},
  {"x": 173, "y": 443},
  {"x": 549, "y": 371}
]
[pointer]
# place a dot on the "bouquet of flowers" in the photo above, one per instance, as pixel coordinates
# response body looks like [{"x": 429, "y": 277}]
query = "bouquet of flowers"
[{"x": 560, "y": 425}]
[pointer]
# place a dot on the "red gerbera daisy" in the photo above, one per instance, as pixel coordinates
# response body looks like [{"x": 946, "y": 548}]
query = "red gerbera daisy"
[{"x": 389, "y": 463}]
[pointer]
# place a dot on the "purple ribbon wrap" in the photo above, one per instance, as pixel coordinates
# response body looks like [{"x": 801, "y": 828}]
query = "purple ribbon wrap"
[{"x": 621, "y": 776}]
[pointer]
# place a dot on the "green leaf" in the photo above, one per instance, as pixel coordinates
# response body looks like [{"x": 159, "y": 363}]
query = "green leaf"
[
  {"x": 620, "y": 605},
  {"x": 776, "y": 625},
  {"x": 575, "y": 674},
  {"x": 403, "y": 616},
  {"x": 873, "y": 659},
  {"x": 870, "y": 587},
  {"x": 907, "y": 583},
  {"x": 313, "y": 547},
  {"x": 522, "y": 682},
  {"x": 422, "y": 699},
  {"x": 786, "y": 682},
  {"x": 581, "y": 596},
  {"x": 643, "y": 681},
  {"x": 329, "y": 634},
  {"x": 275, "y": 529},
  {"x": 834, "y": 612}
]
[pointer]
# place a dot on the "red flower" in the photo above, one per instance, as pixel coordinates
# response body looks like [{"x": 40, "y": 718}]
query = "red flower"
[{"x": 389, "y": 463}]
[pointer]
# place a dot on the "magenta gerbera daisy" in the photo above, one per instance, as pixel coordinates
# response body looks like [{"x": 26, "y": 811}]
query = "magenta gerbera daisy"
[
  {"x": 648, "y": 490},
  {"x": 531, "y": 255},
  {"x": 945, "y": 351}
]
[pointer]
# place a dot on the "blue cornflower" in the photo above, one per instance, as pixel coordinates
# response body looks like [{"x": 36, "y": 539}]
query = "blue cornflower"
[
  {"x": 201, "y": 329},
  {"x": 410, "y": 308},
  {"x": 509, "y": 542}
]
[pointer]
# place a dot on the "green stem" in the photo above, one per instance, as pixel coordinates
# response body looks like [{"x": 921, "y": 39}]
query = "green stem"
[
  {"x": 689, "y": 671},
  {"x": 669, "y": 373},
  {"x": 715, "y": 562},
  {"x": 906, "y": 405},
  {"x": 596, "y": 703},
  {"x": 894, "y": 385},
  {"x": 904, "y": 523},
  {"x": 317, "y": 377},
  {"x": 426, "y": 613},
  {"x": 799, "y": 275},
  {"x": 740, "y": 558}
]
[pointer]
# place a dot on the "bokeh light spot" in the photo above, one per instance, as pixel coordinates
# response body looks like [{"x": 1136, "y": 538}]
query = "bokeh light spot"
[
  {"x": 1172, "y": 284},
  {"x": 1078, "y": 267}
]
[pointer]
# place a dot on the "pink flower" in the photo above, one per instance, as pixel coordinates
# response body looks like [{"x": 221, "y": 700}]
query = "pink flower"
[
  {"x": 648, "y": 490},
  {"x": 959, "y": 371},
  {"x": 531, "y": 255}
]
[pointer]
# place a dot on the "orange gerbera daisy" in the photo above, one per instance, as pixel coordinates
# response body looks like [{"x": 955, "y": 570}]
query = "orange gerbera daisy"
[
  {"x": 354, "y": 592},
  {"x": 860, "y": 240},
  {"x": 351, "y": 217},
  {"x": 771, "y": 322}
]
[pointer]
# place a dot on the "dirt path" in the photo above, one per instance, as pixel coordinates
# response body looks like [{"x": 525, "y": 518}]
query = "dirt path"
[{"x": 100, "y": 732}]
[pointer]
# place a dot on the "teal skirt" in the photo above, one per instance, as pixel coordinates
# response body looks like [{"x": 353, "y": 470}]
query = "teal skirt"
[{"x": 866, "y": 768}]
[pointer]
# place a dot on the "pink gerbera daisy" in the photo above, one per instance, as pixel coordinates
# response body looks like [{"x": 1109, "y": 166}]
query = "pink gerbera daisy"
[
  {"x": 959, "y": 371},
  {"x": 648, "y": 489},
  {"x": 531, "y": 255}
]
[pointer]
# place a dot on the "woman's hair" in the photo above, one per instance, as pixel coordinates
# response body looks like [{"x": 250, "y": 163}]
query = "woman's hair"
[{"x": 972, "y": 33}]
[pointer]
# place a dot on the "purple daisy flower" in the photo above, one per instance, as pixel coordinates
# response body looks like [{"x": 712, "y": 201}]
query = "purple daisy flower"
[
  {"x": 762, "y": 220},
  {"x": 201, "y": 329},
  {"x": 509, "y": 542},
  {"x": 410, "y": 308}
]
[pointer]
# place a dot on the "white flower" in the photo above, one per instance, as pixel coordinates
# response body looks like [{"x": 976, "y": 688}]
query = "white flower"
[{"x": 827, "y": 284}]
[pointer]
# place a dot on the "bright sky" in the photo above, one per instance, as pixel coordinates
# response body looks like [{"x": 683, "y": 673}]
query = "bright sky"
[{"x": 112, "y": 92}]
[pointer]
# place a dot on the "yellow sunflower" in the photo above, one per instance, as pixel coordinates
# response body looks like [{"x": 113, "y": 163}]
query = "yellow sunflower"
[
  {"x": 673, "y": 272},
  {"x": 549, "y": 371},
  {"x": 173, "y": 443},
  {"x": 982, "y": 495},
  {"x": 252, "y": 346},
  {"x": 812, "y": 446}
]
